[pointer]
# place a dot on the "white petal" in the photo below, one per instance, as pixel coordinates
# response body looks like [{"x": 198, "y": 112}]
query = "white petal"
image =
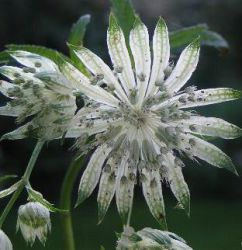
[
  {"x": 124, "y": 192},
  {"x": 7, "y": 110},
  {"x": 211, "y": 96},
  {"x": 161, "y": 54},
  {"x": 83, "y": 85},
  {"x": 10, "y": 72},
  {"x": 92, "y": 173},
  {"x": 203, "y": 97},
  {"x": 210, "y": 126},
  {"x": 99, "y": 126},
  {"x": 5, "y": 86},
  {"x": 106, "y": 190},
  {"x": 17, "y": 134},
  {"x": 140, "y": 48},
  {"x": 177, "y": 183},
  {"x": 207, "y": 152},
  {"x": 96, "y": 65},
  {"x": 184, "y": 68},
  {"x": 29, "y": 59},
  {"x": 119, "y": 55},
  {"x": 152, "y": 191}
]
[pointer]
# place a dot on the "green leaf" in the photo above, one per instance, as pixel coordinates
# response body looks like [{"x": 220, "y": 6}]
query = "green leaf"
[
  {"x": 76, "y": 38},
  {"x": 36, "y": 196},
  {"x": 102, "y": 248},
  {"x": 214, "y": 39},
  {"x": 78, "y": 30},
  {"x": 125, "y": 15},
  {"x": 184, "y": 36},
  {"x": 40, "y": 50},
  {"x": 10, "y": 190},
  {"x": 6, "y": 178}
]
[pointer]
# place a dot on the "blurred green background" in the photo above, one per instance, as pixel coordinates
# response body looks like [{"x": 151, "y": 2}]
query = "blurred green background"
[{"x": 216, "y": 195}]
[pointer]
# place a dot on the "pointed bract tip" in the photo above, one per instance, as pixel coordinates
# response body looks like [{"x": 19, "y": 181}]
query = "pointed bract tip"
[
  {"x": 113, "y": 23},
  {"x": 137, "y": 21},
  {"x": 161, "y": 21},
  {"x": 236, "y": 172},
  {"x": 163, "y": 224},
  {"x": 80, "y": 199},
  {"x": 238, "y": 93},
  {"x": 231, "y": 167},
  {"x": 101, "y": 215},
  {"x": 196, "y": 42},
  {"x": 188, "y": 210}
]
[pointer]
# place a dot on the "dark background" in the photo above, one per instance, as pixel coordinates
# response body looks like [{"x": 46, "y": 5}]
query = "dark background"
[{"x": 216, "y": 195}]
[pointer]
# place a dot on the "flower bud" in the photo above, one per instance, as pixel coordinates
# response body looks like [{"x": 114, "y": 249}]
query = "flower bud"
[
  {"x": 34, "y": 221},
  {"x": 5, "y": 243}
]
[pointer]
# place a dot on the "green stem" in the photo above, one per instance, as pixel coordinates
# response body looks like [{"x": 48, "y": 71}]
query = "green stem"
[
  {"x": 25, "y": 180},
  {"x": 66, "y": 203}
]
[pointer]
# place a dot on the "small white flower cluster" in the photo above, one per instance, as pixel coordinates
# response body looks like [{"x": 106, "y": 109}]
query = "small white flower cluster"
[
  {"x": 137, "y": 118},
  {"x": 152, "y": 239},
  {"x": 34, "y": 222},
  {"x": 5, "y": 243},
  {"x": 37, "y": 89}
]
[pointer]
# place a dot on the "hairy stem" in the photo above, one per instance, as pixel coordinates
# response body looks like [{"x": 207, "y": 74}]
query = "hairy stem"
[
  {"x": 25, "y": 180},
  {"x": 66, "y": 203}
]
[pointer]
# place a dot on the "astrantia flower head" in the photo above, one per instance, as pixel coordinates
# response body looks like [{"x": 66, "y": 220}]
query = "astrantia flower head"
[
  {"x": 149, "y": 238},
  {"x": 48, "y": 99},
  {"x": 5, "y": 243},
  {"x": 141, "y": 121},
  {"x": 34, "y": 222}
]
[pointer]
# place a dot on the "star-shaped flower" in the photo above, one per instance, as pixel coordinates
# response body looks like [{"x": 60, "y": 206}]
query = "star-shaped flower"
[
  {"x": 36, "y": 88},
  {"x": 140, "y": 122}
]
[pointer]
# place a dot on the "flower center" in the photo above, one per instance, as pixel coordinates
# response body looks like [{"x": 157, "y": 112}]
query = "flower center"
[{"x": 134, "y": 116}]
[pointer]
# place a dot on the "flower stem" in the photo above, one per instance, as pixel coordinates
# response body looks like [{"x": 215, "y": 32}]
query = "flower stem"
[
  {"x": 25, "y": 180},
  {"x": 66, "y": 203}
]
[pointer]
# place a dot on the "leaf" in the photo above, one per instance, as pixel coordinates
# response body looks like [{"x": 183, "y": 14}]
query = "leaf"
[
  {"x": 125, "y": 14},
  {"x": 214, "y": 39},
  {"x": 6, "y": 178},
  {"x": 76, "y": 38},
  {"x": 78, "y": 30},
  {"x": 102, "y": 248},
  {"x": 184, "y": 36},
  {"x": 36, "y": 196},
  {"x": 40, "y": 50},
  {"x": 10, "y": 190}
]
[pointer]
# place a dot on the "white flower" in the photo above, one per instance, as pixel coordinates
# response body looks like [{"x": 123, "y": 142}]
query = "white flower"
[
  {"x": 141, "y": 121},
  {"x": 5, "y": 243},
  {"x": 34, "y": 221},
  {"x": 137, "y": 119},
  {"x": 48, "y": 99},
  {"x": 149, "y": 238}
]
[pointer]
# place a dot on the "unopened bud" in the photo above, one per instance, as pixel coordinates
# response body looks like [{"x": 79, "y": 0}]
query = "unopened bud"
[{"x": 34, "y": 221}]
